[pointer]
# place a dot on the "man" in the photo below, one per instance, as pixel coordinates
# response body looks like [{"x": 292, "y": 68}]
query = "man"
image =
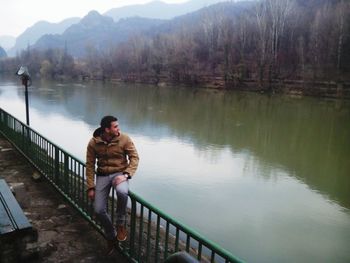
[{"x": 117, "y": 161}]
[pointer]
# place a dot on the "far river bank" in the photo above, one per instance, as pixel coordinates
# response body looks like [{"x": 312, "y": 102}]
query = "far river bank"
[{"x": 319, "y": 88}]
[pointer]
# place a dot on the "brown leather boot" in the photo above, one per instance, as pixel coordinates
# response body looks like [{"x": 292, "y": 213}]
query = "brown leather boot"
[{"x": 122, "y": 233}]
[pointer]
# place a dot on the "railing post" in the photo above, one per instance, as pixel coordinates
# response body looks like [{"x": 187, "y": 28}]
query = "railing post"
[
  {"x": 57, "y": 166},
  {"x": 1, "y": 119},
  {"x": 66, "y": 174},
  {"x": 6, "y": 122},
  {"x": 28, "y": 140},
  {"x": 24, "y": 148},
  {"x": 132, "y": 227}
]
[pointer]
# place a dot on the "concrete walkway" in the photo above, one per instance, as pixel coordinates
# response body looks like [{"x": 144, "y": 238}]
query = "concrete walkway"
[{"x": 63, "y": 235}]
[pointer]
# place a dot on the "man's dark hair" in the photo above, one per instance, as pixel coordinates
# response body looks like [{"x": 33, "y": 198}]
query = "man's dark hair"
[{"x": 106, "y": 121}]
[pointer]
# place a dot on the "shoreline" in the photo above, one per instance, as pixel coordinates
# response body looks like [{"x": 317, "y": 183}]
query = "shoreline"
[{"x": 298, "y": 88}]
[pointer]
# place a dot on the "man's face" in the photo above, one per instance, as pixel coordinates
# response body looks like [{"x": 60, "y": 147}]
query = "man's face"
[{"x": 114, "y": 129}]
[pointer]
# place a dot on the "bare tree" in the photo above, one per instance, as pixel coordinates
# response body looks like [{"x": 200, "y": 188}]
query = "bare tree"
[
  {"x": 315, "y": 41},
  {"x": 93, "y": 61},
  {"x": 279, "y": 11},
  {"x": 243, "y": 34},
  {"x": 262, "y": 43},
  {"x": 342, "y": 12},
  {"x": 322, "y": 45},
  {"x": 301, "y": 53}
]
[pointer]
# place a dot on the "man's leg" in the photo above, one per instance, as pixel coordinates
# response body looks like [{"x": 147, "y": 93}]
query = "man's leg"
[
  {"x": 122, "y": 190},
  {"x": 122, "y": 201},
  {"x": 103, "y": 185}
]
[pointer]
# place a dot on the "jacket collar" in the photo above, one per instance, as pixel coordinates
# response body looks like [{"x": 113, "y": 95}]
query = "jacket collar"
[{"x": 98, "y": 137}]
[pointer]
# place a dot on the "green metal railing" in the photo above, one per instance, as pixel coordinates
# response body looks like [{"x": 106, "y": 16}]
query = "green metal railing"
[{"x": 153, "y": 235}]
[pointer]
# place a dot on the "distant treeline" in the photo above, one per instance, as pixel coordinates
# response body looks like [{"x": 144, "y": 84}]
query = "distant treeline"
[{"x": 265, "y": 41}]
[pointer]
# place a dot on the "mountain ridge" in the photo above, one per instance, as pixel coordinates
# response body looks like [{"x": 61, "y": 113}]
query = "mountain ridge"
[
  {"x": 33, "y": 33},
  {"x": 95, "y": 31},
  {"x": 158, "y": 9},
  {"x": 42, "y": 28}
]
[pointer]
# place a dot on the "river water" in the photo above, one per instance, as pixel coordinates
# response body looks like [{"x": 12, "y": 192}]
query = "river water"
[{"x": 265, "y": 177}]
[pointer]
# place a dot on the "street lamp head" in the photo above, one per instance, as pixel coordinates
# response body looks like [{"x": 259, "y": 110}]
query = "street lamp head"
[
  {"x": 25, "y": 76},
  {"x": 23, "y": 71}
]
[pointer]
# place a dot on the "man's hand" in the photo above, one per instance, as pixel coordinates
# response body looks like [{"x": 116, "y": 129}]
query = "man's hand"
[{"x": 91, "y": 194}]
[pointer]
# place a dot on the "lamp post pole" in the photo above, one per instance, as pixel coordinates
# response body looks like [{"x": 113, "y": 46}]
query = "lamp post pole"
[{"x": 25, "y": 80}]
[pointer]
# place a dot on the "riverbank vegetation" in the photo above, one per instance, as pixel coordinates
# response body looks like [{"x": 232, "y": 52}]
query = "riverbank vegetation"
[{"x": 261, "y": 45}]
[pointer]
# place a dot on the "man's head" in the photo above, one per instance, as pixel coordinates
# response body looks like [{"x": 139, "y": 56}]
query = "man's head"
[{"x": 110, "y": 125}]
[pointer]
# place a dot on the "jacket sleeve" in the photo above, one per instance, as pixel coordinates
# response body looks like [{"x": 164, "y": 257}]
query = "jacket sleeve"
[
  {"x": 133, "y": 156},
  {"x": 90, "y": 165}
]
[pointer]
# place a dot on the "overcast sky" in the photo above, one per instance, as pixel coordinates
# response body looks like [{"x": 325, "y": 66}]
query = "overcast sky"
[{"x": 17, "y": 15}]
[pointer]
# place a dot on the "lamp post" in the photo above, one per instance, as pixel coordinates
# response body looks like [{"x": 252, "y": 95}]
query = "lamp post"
[{"x": 26, "y": 81}]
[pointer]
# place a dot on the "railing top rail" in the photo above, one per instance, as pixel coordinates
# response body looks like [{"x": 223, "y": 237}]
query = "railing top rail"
[
  {"x": 54, "y": 144},
  {"x": 217, "y": 249}
]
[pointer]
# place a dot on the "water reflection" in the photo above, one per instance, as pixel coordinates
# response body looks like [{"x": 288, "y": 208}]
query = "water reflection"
[
  {"x": 307, "y": 137},
  {"x": 237, "y": 166}
]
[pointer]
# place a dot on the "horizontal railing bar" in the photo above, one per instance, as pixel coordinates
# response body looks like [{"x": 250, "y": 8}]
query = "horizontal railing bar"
[
  {"x": 54, "y": 144},
  {"x": 195, "y": 235}
]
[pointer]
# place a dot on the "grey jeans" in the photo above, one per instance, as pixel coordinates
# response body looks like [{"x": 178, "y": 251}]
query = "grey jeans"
[{"x": 102, "y": 190}]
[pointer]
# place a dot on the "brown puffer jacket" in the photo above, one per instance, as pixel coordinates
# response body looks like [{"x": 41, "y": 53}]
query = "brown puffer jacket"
[{"x": 119, "y": 155}]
